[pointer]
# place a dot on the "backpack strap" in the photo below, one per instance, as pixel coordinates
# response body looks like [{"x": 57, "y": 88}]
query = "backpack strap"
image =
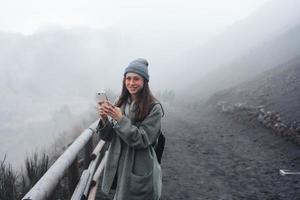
[
  {"x": 153, "y": 104},
  {"x": 163, "y": 113}
]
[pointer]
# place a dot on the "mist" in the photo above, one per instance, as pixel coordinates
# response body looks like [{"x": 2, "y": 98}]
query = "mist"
[{"x": 53, "y": 59}]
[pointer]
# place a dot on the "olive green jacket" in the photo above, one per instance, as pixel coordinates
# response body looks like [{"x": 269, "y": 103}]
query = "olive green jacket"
[{"x": 131, "y": 156}]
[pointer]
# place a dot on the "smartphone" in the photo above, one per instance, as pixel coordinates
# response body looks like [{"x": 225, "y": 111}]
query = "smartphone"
[{"x": 101, "y": 96}]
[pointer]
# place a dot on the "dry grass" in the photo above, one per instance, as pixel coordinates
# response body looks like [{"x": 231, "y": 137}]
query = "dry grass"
[
  {"x": 14, "y": 186},
  {"x": 35, "y": 168},
  {"x": 8, "y": 179}
]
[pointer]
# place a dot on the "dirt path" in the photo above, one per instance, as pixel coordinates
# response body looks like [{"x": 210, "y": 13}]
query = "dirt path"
[{"x": 209, "y": 156}]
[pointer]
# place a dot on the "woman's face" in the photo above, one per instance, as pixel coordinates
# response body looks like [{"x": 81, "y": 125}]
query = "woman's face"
[{"x": 134, "y": 83}]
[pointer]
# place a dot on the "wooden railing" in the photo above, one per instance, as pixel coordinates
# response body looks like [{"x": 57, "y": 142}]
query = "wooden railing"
[{"x": 68, "y": 162}]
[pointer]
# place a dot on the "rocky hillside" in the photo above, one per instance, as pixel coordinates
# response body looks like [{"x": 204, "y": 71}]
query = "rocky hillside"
[
  {"x": 264, "y": 57},
  {"x": 277, "y": 90}
]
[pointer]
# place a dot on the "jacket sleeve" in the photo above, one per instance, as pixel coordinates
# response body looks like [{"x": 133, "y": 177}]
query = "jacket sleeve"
[
  {"x": 144, "y": 135},
  {"x": 105, "y": 130}
]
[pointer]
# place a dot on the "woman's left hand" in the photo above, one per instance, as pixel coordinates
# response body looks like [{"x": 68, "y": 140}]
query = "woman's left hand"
[{"x": 114, "y": 112}]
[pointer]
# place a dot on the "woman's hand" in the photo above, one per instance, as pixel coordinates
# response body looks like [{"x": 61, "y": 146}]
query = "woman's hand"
[
  {"x": 101, "y": 111},
  {"x": 113, "y": 111}
]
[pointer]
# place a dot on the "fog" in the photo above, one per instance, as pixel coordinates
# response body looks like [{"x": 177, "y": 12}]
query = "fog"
[
  {"x": 55, "y": 55},
  {"x": 159, "y": 31}
]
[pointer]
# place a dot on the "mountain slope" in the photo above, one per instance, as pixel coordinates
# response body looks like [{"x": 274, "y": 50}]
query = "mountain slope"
[
  {"x": 266, "y": 24},
  {"x": 278, "y": 89},
  {"x": 266, "y": 56},
  {"x": 59, "y": 62}
]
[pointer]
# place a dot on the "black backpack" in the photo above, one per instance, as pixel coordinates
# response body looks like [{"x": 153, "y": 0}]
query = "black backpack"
[{"x": 159, "y": 145}]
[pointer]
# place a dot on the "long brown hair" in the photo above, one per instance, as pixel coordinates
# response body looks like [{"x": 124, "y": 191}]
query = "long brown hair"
[{"x": 143, "y": 101}]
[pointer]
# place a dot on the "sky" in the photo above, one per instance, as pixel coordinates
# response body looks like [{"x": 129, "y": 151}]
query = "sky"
[
  {"x": 133, "y": 15},
  {"x": 159, "y": 30}
]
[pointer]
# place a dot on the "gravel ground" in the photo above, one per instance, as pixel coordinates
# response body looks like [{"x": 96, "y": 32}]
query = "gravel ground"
[{"x": 210, "y": 156}]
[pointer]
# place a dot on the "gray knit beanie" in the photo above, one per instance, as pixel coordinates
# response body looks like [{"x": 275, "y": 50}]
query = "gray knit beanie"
[{"x": 139, "y": 66}]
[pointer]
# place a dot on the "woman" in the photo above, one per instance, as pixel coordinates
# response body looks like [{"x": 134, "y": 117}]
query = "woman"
[{"x": 135, "y": 125}]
